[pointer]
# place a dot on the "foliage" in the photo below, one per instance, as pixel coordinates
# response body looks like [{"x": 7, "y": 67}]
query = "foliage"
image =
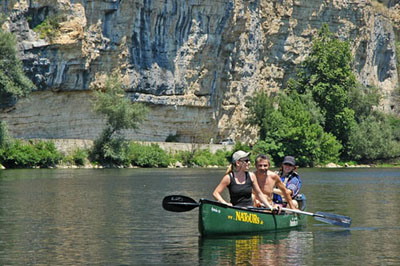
[
  {"x": 120, "y": 113},
  {"x": 49, "y": 28},
  {"x": 47, "y": 154},
  {"x": 202, "y": 158},
  {"x": 172, "y": 138},
  {"x": 13, "y": 82},
  {"x": 221, "y": 157},
  {"x": 373, "y": 139},
  {"x": 79, "y": 156},
  {"x": 184, "y": 157},
  {"x": 327, "y": 74},
  {"x": 241, "y": 146},
  {"x": 397, "y": 47},
  {"x": 118, "y": 109},
  {"x": 363, "y": 100},
  {"x": 27, "y": 155},
  {"x": 261, "y": 147},
  {"x": 290, "y": 130},
  {"x": 5, "y": 137},
  {"x": 257, "y": 107},
  {"x": 148, "y": 155},
  {"x": 394, "y": 122},
  {"x": 110, "y": 150}
]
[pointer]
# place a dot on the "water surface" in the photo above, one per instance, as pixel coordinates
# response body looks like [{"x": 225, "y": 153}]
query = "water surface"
[{"x": 114, "y": 217}]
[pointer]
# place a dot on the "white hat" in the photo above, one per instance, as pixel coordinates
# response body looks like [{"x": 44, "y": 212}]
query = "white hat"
[{"x": 239, "y": 155}]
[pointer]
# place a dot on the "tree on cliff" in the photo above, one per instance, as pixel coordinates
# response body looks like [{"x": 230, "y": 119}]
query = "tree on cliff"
[
  {"x": 13, "y": 82},
  {"x": 120, "y": 114},
  {"x": 348, "y": 108},
  {"x": 326, "y": 73},
  {"x": 288, "y": 126}
]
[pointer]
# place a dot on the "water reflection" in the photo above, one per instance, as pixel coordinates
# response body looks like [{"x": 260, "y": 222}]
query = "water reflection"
[{"x": 276, "y": 248}]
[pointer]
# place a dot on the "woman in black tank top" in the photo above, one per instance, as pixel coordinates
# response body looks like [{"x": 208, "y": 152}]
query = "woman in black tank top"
[{"x": 240, "y": 183}]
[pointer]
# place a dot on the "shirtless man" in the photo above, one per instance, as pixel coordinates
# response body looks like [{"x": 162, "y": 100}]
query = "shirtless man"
[{"x": 268, "y": 180}]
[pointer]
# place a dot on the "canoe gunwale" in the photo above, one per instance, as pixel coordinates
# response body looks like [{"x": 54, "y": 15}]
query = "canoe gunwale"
[{"x": 256, "y": 210}]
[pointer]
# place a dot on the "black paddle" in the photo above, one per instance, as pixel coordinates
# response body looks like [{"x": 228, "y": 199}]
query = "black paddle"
[{"x": 178, "y": 203}]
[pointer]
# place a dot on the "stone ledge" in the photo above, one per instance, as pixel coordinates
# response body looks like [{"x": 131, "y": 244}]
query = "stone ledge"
[{"x": 67, "y": 146}]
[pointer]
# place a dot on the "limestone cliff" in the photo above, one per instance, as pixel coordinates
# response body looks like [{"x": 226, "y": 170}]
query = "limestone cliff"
[{"x": 193, "y": 61}]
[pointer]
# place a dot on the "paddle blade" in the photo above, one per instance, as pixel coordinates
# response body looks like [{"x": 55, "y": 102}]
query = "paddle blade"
[
  {"x": 178, "y": 203},
  {"x": 331, "y": 218}
]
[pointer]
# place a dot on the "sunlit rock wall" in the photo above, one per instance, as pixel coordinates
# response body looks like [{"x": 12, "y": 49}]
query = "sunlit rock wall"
[{"x": 195, "y": 62}]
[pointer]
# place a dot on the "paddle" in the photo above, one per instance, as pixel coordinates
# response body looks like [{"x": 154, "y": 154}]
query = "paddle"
[
  {"x": 325, "y": 217},
  {"x": 178, "y": 203}
]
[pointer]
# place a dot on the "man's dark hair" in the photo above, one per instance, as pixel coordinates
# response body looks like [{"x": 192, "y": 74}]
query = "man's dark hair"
[{"x": 262, "y": 157}]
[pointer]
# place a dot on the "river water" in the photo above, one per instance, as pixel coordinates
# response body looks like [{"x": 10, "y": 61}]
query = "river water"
[{"x": 114, "y": 217}]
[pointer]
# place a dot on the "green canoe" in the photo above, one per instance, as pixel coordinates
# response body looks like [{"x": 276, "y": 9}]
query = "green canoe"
[
  {"x": 219, "y": 219},
  {"x": 216, "y": 218}
]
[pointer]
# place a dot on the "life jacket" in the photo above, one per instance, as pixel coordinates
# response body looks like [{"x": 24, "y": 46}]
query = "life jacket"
[{"x": 291, "y": 181}]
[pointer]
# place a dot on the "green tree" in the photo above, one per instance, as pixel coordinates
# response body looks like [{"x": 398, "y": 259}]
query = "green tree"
[
  {"x": 327, "y": 74},
  {"x": 5, "y": 137},
  {"x": 257, "y": 108},
  {"x": 363, "y": 100},
  {"x": 290, "y": 129},
  {"x": 373, "y": 139},
  {"x": 120, "y": 114},
  {"x": 13, "y": 82}
]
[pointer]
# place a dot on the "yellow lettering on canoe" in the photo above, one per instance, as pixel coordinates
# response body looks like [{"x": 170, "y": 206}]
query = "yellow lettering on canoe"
[{"x": 248, "y": 217}]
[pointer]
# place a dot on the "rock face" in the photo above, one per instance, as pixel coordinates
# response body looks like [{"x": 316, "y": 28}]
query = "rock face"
[{"x": 193, "y": 61}]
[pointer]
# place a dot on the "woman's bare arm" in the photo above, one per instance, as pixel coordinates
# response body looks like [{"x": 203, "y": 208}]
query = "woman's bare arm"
[{"x": 225, "y": 181}]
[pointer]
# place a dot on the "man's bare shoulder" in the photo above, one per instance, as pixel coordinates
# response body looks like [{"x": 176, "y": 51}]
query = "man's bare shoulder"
[{"x": 273, "y": 175}]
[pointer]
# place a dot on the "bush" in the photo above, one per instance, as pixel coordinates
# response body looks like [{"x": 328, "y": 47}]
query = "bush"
[
  {"x": 27, "y": 155},
  {"x": 109, "y": 150},
  {"x": 148, "y": 155},
  {"x": 185, "y": 157},
  {"x": 80, "y": 156},
  {"x": 222, "y": 157},
  {"x": 202, "y": 158},
  {"x": 49, "y": 28},
  {"x": 47, "y": 154}
]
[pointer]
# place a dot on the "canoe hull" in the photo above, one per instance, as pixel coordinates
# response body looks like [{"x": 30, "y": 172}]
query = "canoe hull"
[{"x": 219, "y": 219}]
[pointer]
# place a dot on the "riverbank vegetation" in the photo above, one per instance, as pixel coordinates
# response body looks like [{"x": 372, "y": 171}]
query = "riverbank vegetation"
[
  {"x": 43, "y": 154},
  {"x": 324, "y": 115}
]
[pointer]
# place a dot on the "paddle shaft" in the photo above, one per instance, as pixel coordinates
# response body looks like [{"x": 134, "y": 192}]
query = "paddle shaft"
[
  {"x": 325, "y": 217},
  {"x": 298, "y": 211}
]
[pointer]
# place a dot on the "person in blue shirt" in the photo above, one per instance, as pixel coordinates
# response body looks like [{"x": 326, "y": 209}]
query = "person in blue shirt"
[{"x": 290, "y": 178}]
